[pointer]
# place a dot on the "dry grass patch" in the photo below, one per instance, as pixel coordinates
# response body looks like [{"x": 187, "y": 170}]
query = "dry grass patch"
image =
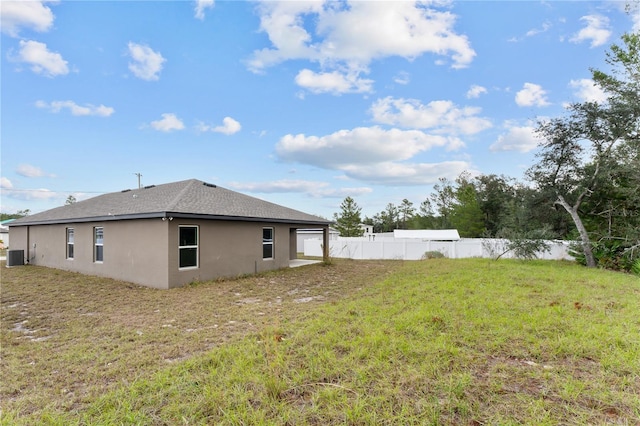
[{"x": 67, "y": 337}]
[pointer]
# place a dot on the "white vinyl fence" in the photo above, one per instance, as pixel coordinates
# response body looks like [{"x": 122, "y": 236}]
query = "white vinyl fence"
[{"x": 412, "y": 249}]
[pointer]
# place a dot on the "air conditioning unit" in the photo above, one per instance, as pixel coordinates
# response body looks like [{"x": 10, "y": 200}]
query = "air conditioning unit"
[{"x": 15, "y": 258}]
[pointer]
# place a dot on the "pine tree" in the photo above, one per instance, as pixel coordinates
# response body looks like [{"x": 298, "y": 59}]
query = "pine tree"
[
  {"x": 467, "y": 216},
  {"x": 348, "y": 221}
]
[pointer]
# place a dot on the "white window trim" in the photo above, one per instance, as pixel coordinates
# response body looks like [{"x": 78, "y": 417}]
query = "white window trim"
[
  {"x": 70, "y": 243},
  {"x": 184, "y": 268},
  {"x": 96, "y": 244},
  {"x": 272, "y": 243}
]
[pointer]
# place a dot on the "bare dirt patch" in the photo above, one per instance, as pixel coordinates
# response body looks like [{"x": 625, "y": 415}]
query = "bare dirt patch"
[{"x": 68, "y": 337}]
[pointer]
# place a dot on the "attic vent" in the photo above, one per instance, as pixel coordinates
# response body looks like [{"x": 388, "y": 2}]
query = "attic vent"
[
  {"x": 125, "y": 190},
  {"x": 210, "y": 185},
  {"x": 149, "y": 187}
]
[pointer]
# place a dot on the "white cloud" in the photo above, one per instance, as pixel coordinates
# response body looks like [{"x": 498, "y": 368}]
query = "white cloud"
[
  {"x": 341, "y": 192},
  {"x": 532, "y": 95},
  {"x": 168, "y": 123},
  {"x": 631, "y": 9},
  {"x": 202, "y": 6},
  {"x": 371, "y": 154},
  {"x": 634, "y": 12},
  {"x": 371, "y": 30},
  {"x": 42, "y": 61},
  {"x": 333, "y": 82},
  {"x": 586, "y": 90},
  {"x": 362, "y": 145},
  {"x": 516, "y": 138},
  {"x": 402, "y": 78},
  {"x": 531, "y": 33},
  {"x": 5, "y": 183},
  {"x": 27, "y": 170},
  {"x": 536, "y": 31},
  {"x": 441, "y": 116},
  {"x": 75, "y": 109},
  {"x": 312, "y": 188},
  {"x": 282, "y": 21},
  {"x": 146, "y": 64},
  {"x": 30, "y": 194},
  {"x": 393, "y": 173},
  {"x": 596, "y": 30},
  {"x": 350, "y": 34},
  {"x": 279, "y": 186},
  {"x": 475, "y": 91},
  {"x": 33, "y": 15},
  {"x": 229, "y": 126}
]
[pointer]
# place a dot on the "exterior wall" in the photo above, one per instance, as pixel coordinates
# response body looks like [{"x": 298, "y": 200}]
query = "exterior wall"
[
  {"x": 293, "y": 244},
  {"x": 20, "y": 240},
  {"x": 134, "y": 250},
  {"x": 145, "y": 251},
  {"x": 227, "y": 249}
]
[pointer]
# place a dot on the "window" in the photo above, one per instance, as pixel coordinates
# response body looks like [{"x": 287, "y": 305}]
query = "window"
[
  {"x": 267, "y": 243},
  {"x": 188, "y": 246},
  {"x": 98, "y": 244},
  {"x": 70, "y": 235}
]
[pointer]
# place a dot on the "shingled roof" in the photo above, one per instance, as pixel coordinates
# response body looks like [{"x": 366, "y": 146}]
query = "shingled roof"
[{"x": 185, "y": 199}]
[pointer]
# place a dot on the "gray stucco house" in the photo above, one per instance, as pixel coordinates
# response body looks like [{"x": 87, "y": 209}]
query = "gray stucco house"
[{"x": 165, "y": 236}]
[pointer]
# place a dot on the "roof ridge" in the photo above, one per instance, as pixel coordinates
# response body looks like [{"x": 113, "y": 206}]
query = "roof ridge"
[
  {"x": 178, "y": 196},
  {"x": 192, "y": 197}
]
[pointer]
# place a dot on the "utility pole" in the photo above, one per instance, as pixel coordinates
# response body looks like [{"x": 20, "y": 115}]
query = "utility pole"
[{"x": 139, "y": 176}]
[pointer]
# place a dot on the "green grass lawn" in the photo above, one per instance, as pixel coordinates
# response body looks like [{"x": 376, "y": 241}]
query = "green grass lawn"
[{"x": 441, "y": 341}]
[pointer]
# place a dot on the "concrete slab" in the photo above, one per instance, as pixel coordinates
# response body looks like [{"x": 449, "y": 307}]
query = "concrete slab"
[{"x": 294, "y": 263}]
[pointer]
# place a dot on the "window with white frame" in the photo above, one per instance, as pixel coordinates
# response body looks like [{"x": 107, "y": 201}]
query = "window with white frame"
[
  {"x": 98, "y": 244},
  {"x": 70, "y": 237},
  {"x": 188, "y": 246},
  {"x": 267, "y": 243}
]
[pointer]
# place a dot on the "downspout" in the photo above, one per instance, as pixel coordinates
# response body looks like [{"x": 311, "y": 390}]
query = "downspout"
[
  {"x": 325, "y": 244},
  {"x": 27, "y": 254}
]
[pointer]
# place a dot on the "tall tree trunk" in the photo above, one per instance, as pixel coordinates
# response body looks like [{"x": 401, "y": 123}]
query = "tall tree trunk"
[{"x": 584, "y": 236}]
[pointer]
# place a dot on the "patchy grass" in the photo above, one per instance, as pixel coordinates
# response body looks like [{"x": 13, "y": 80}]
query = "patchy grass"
[
  {"x": 67, "y": 338},
  {"x": 433, "y": 342}
]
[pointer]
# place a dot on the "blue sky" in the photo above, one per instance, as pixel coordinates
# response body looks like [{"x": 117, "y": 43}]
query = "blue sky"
[{"x": 299, "y": 103}]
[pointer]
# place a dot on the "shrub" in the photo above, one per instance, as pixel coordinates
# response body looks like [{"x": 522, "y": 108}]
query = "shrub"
[
  {"x": 524, "y": 245},
  {"x": 434, "y": 254},
  {"x": 610, "y": 254},
  {"x": 636, "y": 267}
]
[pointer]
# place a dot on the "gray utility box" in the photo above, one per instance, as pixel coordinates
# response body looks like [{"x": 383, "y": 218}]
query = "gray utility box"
[{"x": 15, "y": 258}]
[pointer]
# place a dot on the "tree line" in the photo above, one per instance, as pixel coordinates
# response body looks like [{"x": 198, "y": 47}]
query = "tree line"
[{"x": 584, "y": 185}]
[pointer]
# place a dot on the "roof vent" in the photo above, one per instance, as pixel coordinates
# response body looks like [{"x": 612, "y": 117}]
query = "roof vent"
[
  {"x": 210, "y": 185},
  {"x": 125, "y": 190},
  {"x": 149, "y": 187}
]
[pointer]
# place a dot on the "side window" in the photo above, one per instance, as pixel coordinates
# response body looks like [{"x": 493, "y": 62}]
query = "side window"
[
  {"x": 70, "y": 235},
  {"x": 98, "y": 244},
  {"x": 267, "y": 243},
  {"x": 188, "y": 246}
]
